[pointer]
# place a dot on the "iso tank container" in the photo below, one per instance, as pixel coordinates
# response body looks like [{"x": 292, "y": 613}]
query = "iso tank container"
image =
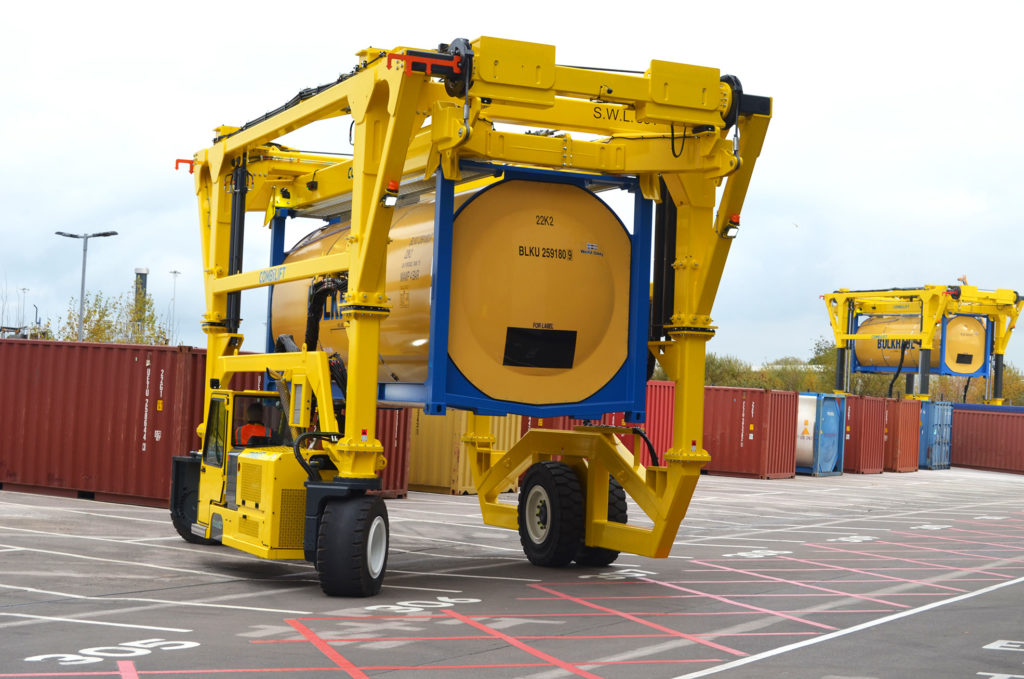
[
  {"x": 902, "y": 434},
  {"x": 820, "y": 434},
  {"x": 988, "y": 437},
  {"x": 935, "y": 435},
  {"x": 539, "y": 305},
  {"x": 437, "y": 458},
  {"x": 749, "y": 432},
  {"x": 103, "y": 421},
  {"x": 864, "y": 450}
]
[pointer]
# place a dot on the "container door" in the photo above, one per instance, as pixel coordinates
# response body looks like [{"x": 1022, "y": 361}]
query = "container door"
[
  {"x": 215, "y": 453},
  {"x": 830, "y": 434}
]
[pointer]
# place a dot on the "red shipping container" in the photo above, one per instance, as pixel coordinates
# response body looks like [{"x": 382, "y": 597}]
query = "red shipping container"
[
  {"x": 95, "y": 420},
  {"x": 393, "y": 432},
  {"x": 750, "y": 432},
  {"x": 988, "y": 440},
  {"x": 104, "y": 420},
  {"x": 661, "y": 398},
  {"x": 865, "y": 435},
  {"x": 902, "y": 435}
]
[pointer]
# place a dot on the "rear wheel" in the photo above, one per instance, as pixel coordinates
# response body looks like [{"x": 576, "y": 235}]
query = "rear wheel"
[
  {"x": 617, "y": 512},
  {"x": 352, "y": 546},
  {"x": 550, "y": 514},
  {"x": 184, "y": 514}
]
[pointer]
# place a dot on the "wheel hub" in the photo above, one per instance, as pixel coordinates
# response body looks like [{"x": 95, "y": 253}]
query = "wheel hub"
[
  {"x": 538, "y": 514},
  {"x": 376, "y": 546}
]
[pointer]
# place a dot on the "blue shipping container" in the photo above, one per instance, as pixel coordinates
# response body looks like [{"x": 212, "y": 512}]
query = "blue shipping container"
[
  {"x": 936, "y": 435},
  {"x": 821, "y": 429}
]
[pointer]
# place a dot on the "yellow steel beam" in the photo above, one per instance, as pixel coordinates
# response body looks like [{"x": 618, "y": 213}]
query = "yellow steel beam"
[{"x": 284, "y": 273}]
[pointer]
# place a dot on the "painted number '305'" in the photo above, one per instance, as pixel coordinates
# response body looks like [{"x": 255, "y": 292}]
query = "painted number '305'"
[{"x": 128, "y": 649}]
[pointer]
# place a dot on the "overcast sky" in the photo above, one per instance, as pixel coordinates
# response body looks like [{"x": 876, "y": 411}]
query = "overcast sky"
[{"x": 894, "y": 156}]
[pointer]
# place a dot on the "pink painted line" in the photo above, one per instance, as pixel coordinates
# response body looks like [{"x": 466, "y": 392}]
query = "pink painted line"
[
  {"x": 325, "y": 648},
  {"x": 512, "y": 641},
  {"x": 970, "y": 542},
  {"x": 916, "y": 561},
  {"x": 797, "y": 583},
  {"x": 982, "y": 532},
  {"x": 635, "y": 618},
  {"x": 892, "y": 578},
  {"x": 126, "y": 668},
  {"x": 733, "y": 602},
  {"x": 963, "y": 554}
]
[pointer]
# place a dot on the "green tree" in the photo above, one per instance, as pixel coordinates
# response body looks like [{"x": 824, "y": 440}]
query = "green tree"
[
  {"x": 126, "y": 319},
  {"x": 725, "y": 371}
]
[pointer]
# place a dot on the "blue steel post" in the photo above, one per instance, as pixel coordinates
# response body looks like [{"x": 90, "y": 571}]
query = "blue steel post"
[
  {"x": 639, "y": 305},
  {"x": 276, "y": 259},
  {"x": 440, "y": 296}
]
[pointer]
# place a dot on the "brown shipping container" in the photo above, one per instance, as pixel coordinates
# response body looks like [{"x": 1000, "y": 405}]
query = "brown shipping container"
[
  {"x": 865, "y": 435},
  {"x": 902, "y": 434},
  {"x": 749, "y": 432},
  {"x": 988, "y": 440},
  {"x": 104, "y": 420}
]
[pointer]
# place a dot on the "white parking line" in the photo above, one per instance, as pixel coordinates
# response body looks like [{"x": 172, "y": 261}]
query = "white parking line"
[
  {"x": 94, "y": 622},
  {"x": 68, "y": 595},
  {"x": 123, "y": 562},
  {"x": 843, "y": 632}
]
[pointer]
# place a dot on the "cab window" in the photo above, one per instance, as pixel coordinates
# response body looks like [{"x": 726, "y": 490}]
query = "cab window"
[
  {"x": 216, "y": 433},
  {"x": 259, "y": 421}
]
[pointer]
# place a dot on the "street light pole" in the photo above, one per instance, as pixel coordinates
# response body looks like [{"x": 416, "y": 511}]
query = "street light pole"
[
  {"x": 174, "y": 293},
  {"x": 85, "y": 249}
]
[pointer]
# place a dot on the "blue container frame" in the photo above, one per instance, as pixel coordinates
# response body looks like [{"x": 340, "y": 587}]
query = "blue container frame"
[
  {"x": 446, "y": 387},
  {"x": 983, "y": 371},
  {"x": 819, "y": 433}
]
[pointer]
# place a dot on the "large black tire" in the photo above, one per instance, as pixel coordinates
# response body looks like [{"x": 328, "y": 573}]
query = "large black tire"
[
  {"x": 185, "y": 514},
  {"x": 550, "y": 514},
  {"x": 352, "y": 546},
  {"x": 617, "y": 512}
]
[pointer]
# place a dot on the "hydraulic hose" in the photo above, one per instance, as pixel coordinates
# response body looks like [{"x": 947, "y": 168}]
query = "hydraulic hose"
[
  {"x": 333, "y": 437},
  {"x": 899, "y": 368}
]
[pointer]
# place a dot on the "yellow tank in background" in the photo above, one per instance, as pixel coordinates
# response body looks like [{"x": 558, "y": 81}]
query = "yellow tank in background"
[
  {"x": 539, "y": 301},
  {"x": 965, "y": 343}
]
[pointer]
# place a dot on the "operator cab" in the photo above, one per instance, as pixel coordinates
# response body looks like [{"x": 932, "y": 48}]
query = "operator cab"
[{"x": 258, "y": 420}]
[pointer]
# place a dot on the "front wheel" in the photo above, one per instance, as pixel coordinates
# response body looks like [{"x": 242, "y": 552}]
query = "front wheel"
[
  {"x": 550, "y": 514},
  {"x": 352, "y": 546}
]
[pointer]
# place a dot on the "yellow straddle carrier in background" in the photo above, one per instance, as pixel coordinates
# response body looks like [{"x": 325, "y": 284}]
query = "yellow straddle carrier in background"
[
  {"x": 935, "y": 329},
  {"x": 467, "y": 263}
]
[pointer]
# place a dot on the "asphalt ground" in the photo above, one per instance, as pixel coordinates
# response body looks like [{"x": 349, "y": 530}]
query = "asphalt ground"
[{"x": 889, "y": 575}]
